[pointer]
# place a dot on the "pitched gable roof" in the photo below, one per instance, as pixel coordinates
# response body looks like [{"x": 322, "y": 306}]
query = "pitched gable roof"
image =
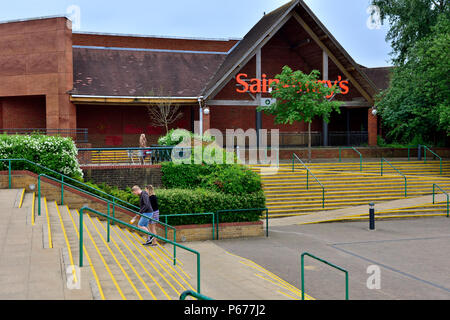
[
  {"x": 250, "y": 40},
  {"x": 247, "y": 46}
]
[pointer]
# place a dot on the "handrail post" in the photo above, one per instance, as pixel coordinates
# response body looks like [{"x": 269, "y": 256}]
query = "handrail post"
[
  {"x": 107, "y": 225},
  {"x": 433, "y": 192},
  {"x": 39, "y": 195},
  {"x": 302, "y": 271},
  {"x": 81, "y": 237},
  {"x": 406, "y": 195},
  {"x": 307, "y": 178},
  {"x": 113, "y": 210},
  {"x": 174, "y": 247},
  {"x": 62, "y": 190},
  {"x": 325, "y": 262},
  {"x": 198, "y": 272},
  {"x": 323, "y": 197},
  {"x": 9, "y": 175}
]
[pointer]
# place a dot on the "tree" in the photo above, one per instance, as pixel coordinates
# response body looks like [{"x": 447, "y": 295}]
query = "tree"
[
  {"x": 301, "y": 97},
  {"x": 164, "y": 112},
  {"x": 410, "y": 21},
  {"x": 415, "y": 108}
]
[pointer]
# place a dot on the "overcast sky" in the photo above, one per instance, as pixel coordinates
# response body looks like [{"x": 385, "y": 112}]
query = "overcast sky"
[{"x": 347, "y": 20}]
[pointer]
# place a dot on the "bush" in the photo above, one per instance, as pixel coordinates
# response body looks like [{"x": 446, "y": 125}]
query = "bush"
[
  {"x": 179, "y": 201},
  {"x": 54, "y": 152},
  {"x": 230, "y": 179},
  {"x": 175, "y": 136}
]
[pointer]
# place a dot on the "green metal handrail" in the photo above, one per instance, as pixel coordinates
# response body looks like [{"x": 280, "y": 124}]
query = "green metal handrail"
[
  {"x": 434, "y": 184},
  {"x": 327, "y": 263},
  {"x": 194, "y": 294},
  {"x": 404, "y": 177},
  {"x": 108, "y": 202},
  {"x": 294, "y": 156},
  {"x": 243, "y": 210},
  {"x": 353, "y": 148},
  {"x": 64, "y": 177},
  {"x": 190, "y": 214},
  {"x": 161, "y": 153},
  {"x": 81, "y": 247},
  {"x": 425, "y": 148}
]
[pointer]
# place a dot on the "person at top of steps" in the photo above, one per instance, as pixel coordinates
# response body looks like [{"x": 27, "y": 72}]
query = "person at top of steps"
[{"x": 146, "y": 210}]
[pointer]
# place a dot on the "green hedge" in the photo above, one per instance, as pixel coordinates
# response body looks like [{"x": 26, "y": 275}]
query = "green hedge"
[
  {"x": 180, "y": 201},
  {"x": 227, "y": 178},
  {"x": 54, "y": 152}
]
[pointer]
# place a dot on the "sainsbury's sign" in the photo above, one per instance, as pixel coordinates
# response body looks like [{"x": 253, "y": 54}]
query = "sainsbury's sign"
[{"x": 264, "y": 85}]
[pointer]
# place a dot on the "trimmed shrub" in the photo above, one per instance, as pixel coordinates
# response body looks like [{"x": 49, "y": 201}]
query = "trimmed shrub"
[
  {"x": 179, "y": 201},
  {"x": 230, "y": 179},
  {"x": 54, "y": 152}
]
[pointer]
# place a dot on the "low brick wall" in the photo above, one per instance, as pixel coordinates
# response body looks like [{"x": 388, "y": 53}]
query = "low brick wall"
[
  {"x": 204, "y": 231},
  {"x": 76, "y": 200},
  {"x": 124, "y": 176}
]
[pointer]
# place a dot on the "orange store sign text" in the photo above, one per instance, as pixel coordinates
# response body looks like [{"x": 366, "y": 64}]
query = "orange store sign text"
[{"x": 263, "y": 85}]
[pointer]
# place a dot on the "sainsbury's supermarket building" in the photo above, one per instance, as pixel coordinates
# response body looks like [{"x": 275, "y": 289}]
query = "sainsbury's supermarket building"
[{"x": 51, "y": 77}]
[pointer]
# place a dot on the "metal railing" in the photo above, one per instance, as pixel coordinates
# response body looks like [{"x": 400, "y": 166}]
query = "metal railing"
[
  {"x": 175, "y": 244},
  {"x": 327, "y": 263},
  {"x": 80, "y": 135},
  {"x": 404, "y": 177},
  {"x": 425, "y": 148},
  {"x": 63, "y": 178},
  {"x": 347, "y": 138},
  {"x": 194, "y": 294},
  {"x": 294, "y": 156},
  {"x": 132, "y": 155},
  {"x": 353, "y": 148},
  {"x": 108, "y": 202},
  {"x": 435, "y": 185}
]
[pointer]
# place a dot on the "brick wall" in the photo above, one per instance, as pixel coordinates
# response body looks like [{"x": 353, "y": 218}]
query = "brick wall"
[
  {"x": 204, "y": 232},
  {"x": 23, "y": 112},
  {"x": 36, "y": 59},
  {"x": 124, "y": 176},
  {"x": 122, "y": 125}
]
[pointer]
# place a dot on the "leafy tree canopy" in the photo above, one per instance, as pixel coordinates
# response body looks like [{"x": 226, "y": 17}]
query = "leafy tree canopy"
[{"x": 410, "y": 21}]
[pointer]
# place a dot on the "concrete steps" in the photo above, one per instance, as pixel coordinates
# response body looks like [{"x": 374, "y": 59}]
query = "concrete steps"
[
  {"x": 122, "y": 269},
  {"x": 288, "y": 193}
]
